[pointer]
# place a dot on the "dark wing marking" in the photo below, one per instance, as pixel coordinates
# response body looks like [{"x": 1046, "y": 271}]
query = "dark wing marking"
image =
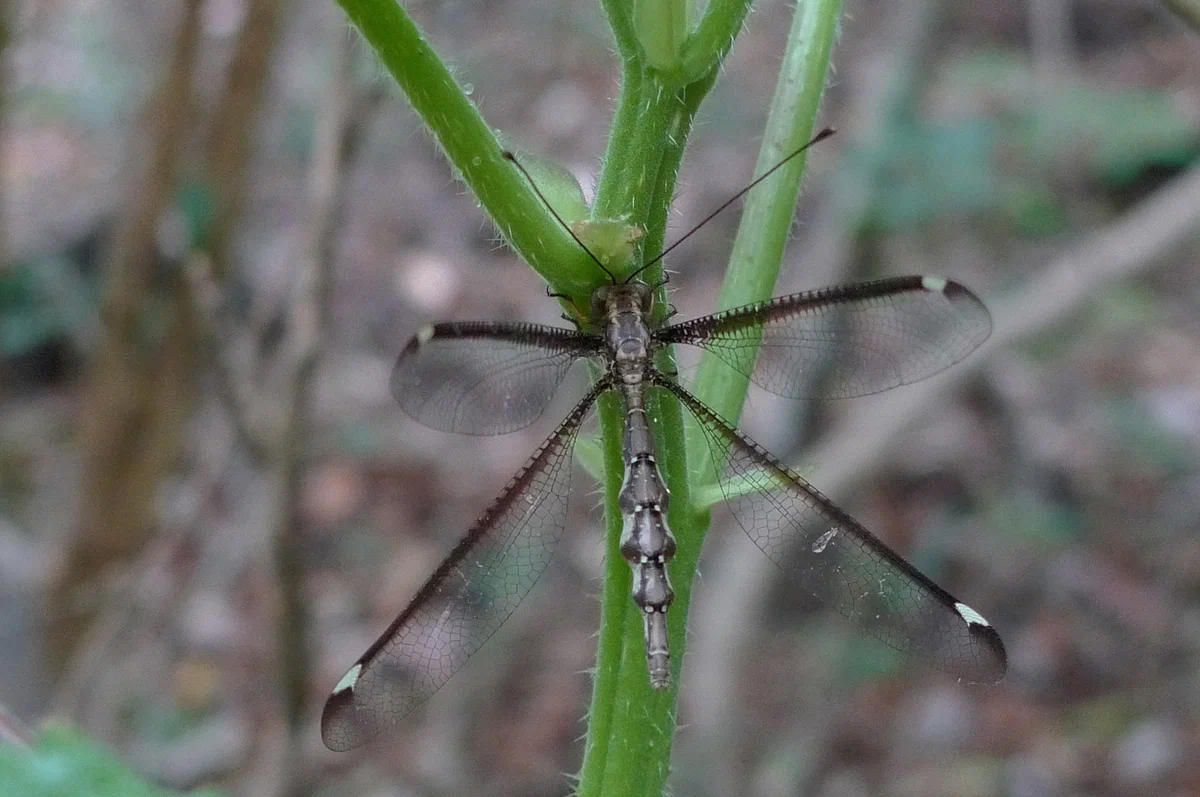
[
  {"x": 465, "y": 601},
  {"x": 860, "y": 339},
  {"x": 484, "y": 377},
  {"x": 846, "y": 567}
]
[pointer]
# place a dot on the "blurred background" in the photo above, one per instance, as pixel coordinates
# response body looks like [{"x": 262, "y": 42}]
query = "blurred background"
[{"x": 188, "y": 184}]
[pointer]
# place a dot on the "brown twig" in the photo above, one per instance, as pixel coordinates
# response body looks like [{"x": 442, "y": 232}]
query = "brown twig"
[
  {"x": 229, "y": 143},
  {"x": 139, "y": 597},
  {"x": 234, "y": 385},
  {"x": 338, "y": 137},
  {"x": 280, "y": 438}
]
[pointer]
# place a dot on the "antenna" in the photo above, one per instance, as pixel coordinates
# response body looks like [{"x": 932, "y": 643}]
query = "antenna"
[
  {"x": 821, "y": 136},
  {"x": 508, "y": 156}
]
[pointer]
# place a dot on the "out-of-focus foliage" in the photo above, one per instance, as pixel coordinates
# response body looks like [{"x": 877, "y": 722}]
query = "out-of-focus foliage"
[
  {"x": 1118, "y": 132},
  {"x": 29, "y": 317},
  {"x": 46, "y": 299},
  {"x": 65, "y": 764},
  {"x": 1044, "y": 524},
  {"x": 985, "y": 162}
]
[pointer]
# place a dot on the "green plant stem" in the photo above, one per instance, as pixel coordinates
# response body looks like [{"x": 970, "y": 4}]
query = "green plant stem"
[
  {"x": 767, "y": 217},
  {"x": 630, "y": 726},
  {"x": 620, "y": 21},
  {"x": 672, "y": 158},
  {"x": 613, "y": 754},
  {"x": 472, "y": 147},
  {"x": 644, "y": 123},
  {"x": 708, "y": 45},
  {"x": 620, "y": 138}
]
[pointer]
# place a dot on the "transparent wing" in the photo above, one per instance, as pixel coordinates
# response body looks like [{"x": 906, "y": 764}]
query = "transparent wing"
[
  {"x": 465, "y": 601},
  {"x": 845, "y": 566},
  {"x": 484, "y": 377},
  {"x": 861, "y": 339}
]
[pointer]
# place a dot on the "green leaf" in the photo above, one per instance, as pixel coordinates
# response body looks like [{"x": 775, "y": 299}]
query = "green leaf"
[
  {"x": 472, "y": 146},
  {"x": 556, "y": 182},
  {"x": 64, "y": 763}
]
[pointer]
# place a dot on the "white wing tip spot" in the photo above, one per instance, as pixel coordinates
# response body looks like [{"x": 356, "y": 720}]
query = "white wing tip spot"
[
  {"x": 348, "y": 680},
  {"x": 971, "y": 616},
  {"x": 934, "y": 284},
  {"x": 424, "y": 335}
]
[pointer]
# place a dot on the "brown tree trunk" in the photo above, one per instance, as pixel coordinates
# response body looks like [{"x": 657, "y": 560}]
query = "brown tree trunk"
[
  {"x": 229, "y": 150},
  {"x": 136, "y": 393}
]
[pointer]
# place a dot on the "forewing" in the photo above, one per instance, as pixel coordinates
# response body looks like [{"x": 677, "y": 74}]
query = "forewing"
[
  {"x": 484, "y": 377},
  {"x": 857, "y": 339},
  {"x": 844, "y": 565},
  {"x": 465, "y": 601}
]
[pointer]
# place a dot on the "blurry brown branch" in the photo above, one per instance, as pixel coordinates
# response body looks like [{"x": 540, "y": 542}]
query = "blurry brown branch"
[
  {"x": 857, "y": 445},
  {"x": 147, "y": 594},
  {"x": 283, "y": 436},
  {"x": 234, "y": 386},
  {"x": 229, "y": 144},
  {"x": 4, "y": 81},
  {"x": 137, "y": 386},
  {"x": 309, "y": 327}
]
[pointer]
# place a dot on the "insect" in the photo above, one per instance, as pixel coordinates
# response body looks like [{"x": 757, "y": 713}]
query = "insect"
[{"x": 494, "y": 377}]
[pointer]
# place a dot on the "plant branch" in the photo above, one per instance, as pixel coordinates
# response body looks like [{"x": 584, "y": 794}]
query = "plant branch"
[
  {"x": 127, "y": 440},
  {"x": 767, "y": 218},
  {"x": 620, "y": 21},
  {"x": 620, "y": 139},
  {"x": 884, "y": 83},
  {"x": 231, "y": 139},
  {"x": 234, "y": 386},
  {"x": 615, "y": 760},
  {"x": 648, "y": 120},
  {"x": 337, "y": 139},
  {"x": 472, "y": 147},
  {"x": 631, "y": 728},
  {"x": 712, "y": 39}
]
